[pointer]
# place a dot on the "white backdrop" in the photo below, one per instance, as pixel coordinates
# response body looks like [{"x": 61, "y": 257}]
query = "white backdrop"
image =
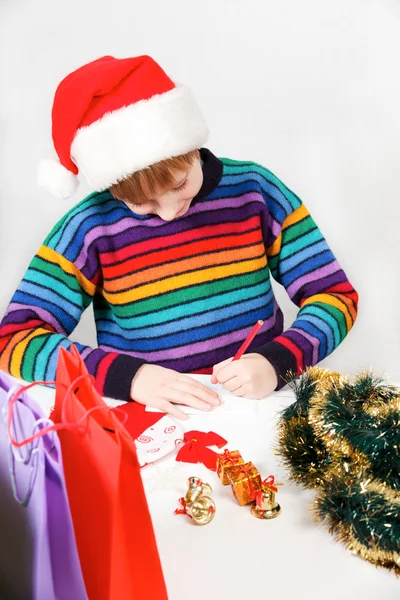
[{"x": 310, "y": 89}]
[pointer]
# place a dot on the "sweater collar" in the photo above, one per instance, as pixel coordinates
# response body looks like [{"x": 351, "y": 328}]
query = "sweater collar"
[{"x": 212, "y": 173}]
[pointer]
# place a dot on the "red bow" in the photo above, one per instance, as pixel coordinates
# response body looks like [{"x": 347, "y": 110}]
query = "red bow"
[
  {"x": 181, "y": 511},
  {"x": 195, "y": 450},
  {"x": 227, "y": 456},
  {"x": 268, "y": 483}
]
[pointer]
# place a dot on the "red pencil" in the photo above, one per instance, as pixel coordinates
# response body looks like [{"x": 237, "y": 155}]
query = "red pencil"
[{"x": 248, "y": 340}]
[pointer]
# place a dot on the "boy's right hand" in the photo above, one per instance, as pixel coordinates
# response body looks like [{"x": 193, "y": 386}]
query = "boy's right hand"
[{"x": 163, "y": 388}]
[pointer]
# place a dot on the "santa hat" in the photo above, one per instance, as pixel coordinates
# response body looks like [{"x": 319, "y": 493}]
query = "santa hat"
[{"x": 113, "y": 117}]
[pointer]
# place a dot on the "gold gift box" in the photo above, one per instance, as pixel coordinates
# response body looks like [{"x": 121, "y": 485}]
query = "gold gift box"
[
  {"x": 245, "y": 481},
  {"x": 225, "y": 460}
]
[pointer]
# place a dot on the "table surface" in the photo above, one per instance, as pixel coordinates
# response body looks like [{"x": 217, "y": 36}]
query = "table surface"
[{"x": 237, "y": 556}]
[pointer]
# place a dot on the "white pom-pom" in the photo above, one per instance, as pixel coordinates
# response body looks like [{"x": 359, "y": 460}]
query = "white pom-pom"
[{"x": 56, "y": 179}]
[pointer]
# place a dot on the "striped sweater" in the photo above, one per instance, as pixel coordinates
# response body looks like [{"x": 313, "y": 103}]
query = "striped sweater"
[{"x": 182, "y": 294}]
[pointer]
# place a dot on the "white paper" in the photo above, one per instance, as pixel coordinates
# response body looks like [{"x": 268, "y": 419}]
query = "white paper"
[{"x": 230, "y": 404}]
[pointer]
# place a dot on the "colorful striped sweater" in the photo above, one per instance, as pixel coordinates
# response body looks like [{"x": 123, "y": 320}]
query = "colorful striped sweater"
[{"x": 182, "y": 294}]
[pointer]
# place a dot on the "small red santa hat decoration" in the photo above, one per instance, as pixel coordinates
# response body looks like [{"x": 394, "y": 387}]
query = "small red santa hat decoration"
[{"x": 113, "y": 117}]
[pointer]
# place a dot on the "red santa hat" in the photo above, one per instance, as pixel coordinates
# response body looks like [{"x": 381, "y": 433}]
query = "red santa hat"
[{"x": 113, "y": 117}]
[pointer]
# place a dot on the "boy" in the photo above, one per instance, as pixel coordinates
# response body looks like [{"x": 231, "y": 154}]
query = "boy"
[{"x": 175, "y": 250}]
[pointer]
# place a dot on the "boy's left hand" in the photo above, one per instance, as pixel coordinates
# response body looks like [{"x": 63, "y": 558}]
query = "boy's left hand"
[{"x": 252, "y": 376}]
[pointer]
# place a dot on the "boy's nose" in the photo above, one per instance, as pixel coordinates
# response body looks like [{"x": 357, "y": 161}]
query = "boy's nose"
[{"x": 168, "y": 214}]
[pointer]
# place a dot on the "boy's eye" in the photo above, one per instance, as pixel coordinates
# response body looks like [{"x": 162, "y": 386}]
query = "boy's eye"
[{"x": 181, "y": 187}]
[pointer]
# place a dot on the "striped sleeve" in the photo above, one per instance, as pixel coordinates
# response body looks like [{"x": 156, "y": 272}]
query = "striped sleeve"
[
  {"x": 43, "y": 312},
  {"x": 301, "y": 260}
]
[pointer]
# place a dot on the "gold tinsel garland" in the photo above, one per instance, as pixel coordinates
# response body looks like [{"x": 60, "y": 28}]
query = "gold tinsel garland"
[{"x": 342, "y": 438}]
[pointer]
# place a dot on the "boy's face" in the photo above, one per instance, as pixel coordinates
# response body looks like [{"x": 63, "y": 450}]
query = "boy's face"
[{"x": 173, "y": 203}]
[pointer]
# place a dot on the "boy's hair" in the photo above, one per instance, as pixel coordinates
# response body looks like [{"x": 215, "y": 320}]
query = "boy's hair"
[{"x": 142, "y": 185}]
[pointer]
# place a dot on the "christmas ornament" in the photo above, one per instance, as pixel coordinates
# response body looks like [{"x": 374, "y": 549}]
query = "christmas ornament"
[
  {"x": 227, "y": 459},
  {"x": 196, "y": 505},
  {"x": 245, "y": 481},
  {"x": 197, "y": 487},
  {"x": 246, "y": 484},
  {"x": 265, "y": 506},
  {"x": 195, "y": 450}
]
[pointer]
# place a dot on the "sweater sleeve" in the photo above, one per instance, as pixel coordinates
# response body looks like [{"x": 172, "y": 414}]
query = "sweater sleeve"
[
  {"x": 43, "y": 312},
  {"x": 300, "y": 259}
]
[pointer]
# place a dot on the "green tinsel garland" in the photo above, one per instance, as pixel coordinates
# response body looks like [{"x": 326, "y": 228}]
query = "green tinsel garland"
[
  {"x": 365, "y": 517},
  {"x": 360, "y": 420},
  {"x": 342, "y": 437}
]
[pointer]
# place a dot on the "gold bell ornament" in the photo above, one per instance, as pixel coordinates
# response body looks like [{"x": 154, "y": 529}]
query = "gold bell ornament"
[
  {"x": 202, "y": 511},
  {"x": 265, "y": 506},
  {"x": 197, "y": 503},
  {"x": 196, "y": 488}
]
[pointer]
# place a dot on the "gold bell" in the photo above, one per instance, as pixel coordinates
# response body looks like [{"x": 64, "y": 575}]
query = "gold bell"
[
  {"x": 201, "y": 510},
  {"x": 197, "y": 488},
  {"x": 267, "y": 507}
]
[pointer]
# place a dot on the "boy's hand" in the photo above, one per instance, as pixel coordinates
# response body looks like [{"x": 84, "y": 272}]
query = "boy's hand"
[
  {"x": 159, "y": 387},
  {"x": 252, "y": 376}
]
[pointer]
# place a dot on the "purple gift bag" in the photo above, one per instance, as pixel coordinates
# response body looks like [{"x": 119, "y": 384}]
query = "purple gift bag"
[{"x": 38, "y": 554}]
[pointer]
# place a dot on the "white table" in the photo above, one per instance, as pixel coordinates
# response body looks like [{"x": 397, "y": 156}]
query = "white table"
[{"x": 237, "y": 556}]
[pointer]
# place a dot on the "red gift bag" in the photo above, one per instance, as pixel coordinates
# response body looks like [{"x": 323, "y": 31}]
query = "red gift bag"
[{"x": 112, "y": 524}]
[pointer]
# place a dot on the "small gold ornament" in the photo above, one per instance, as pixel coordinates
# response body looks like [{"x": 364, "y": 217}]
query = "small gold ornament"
[
  {"x": 202, "y": 510},
  {"x": 245, "y": 482},
  {"x": 228, "y": 458},
  {"x": 197, "y": 503},
  {"x": 266, "y": 507},
  {"x": 196, "y": 488}
]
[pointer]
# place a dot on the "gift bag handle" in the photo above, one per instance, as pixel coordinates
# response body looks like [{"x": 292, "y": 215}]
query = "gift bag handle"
[
  {"x": 30, "y": 459},
  {"x": 56, "y": 426}
]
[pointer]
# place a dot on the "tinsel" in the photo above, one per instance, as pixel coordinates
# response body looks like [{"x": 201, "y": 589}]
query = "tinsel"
[
  {"x": 306, "y": 456},
  {"x": 342, "y": 437},
  {"x": 360, "y": 421},
  {"x": 365, "y": 517}
]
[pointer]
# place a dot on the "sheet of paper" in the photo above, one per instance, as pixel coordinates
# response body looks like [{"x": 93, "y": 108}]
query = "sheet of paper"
[{"x": 230, "y": 404}]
